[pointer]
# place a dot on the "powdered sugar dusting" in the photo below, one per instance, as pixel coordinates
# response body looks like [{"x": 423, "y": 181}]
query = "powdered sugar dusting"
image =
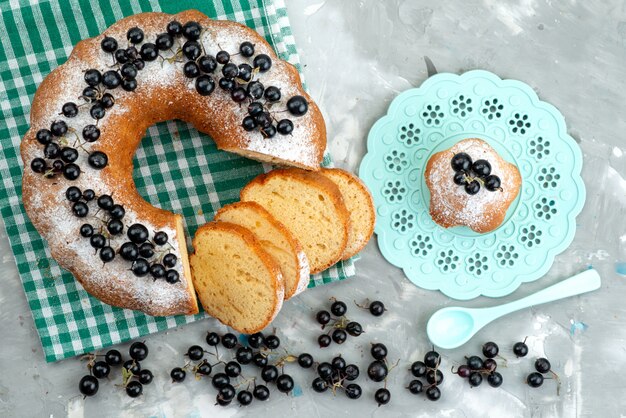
[
  {"x": 305, "y": 272},
  {"x": 450, "y": 202},
  {"x": 161, "y": 81}
]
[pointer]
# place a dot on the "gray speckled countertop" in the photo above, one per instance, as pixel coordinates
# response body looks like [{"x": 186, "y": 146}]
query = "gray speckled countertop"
[{"x": 358, "y": 56}]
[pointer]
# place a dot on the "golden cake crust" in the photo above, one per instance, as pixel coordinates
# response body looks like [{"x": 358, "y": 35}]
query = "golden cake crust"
[
  {"x": 360, "y": 205},
  {"x": 451, "y": 206},
  {"x": 163, "y": 93}
]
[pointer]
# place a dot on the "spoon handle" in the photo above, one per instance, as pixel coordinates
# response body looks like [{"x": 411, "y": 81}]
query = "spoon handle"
[{"x": 584, "y": 282}]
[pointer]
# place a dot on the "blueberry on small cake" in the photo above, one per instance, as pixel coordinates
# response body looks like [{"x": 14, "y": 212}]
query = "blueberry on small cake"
[{"x": 471, "y": 185}]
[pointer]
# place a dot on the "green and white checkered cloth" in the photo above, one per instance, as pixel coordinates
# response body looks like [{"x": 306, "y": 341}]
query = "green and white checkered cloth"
[{"x": 187, "y": 176}]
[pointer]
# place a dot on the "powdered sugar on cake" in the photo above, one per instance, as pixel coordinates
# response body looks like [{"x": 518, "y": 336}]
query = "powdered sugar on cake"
[
  {"x": 45, "y": 199},
  {"x": 450, "y": 205}
]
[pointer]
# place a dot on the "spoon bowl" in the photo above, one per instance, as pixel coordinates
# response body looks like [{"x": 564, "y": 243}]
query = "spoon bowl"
[{"x": 453, "y": 326}]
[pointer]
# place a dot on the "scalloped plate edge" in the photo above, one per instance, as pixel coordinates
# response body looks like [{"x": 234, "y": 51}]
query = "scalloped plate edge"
[{"x": 576, "y": 174}]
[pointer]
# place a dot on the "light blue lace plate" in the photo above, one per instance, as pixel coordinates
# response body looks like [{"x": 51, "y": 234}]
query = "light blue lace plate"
[{"x": 530, "y": 133}]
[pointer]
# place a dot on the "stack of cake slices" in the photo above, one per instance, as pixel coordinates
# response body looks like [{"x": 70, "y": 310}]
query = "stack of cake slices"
[{"x": 258, "y": 252}]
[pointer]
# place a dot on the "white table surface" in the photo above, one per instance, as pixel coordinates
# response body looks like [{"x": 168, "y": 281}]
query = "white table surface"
[{"x": 357, "y": 57}]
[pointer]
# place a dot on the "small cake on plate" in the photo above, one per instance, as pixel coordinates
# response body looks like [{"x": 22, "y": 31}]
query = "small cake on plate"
[{"x": 471, "y": 185}]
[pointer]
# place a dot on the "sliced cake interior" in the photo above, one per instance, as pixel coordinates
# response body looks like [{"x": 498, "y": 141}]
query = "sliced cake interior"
[
  {"x": 237, "y": 281},
  {"x": 275, "y": 239},
  {"x": 310, "y": 206}
]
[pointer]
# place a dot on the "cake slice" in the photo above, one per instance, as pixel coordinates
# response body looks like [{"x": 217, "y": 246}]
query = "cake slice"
[
  {"x": 360, "y": 207},
  {"x": 237, "y": 281},
  {"x": 275, "y": 239},
  {"x": 310, "y": 206}
]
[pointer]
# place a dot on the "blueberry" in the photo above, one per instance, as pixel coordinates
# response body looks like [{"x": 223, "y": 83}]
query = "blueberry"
[
  {"x": 272, "y": 94},
  {"x": 205, "y": 85},
  {"x": 108, "y": 44},
  {"x": 192, "y": 30},
  {"x": 207, "y": 63},
  {"x": 297, "y": 105},
  {"x": 91, "y": 133},
  {"x": 230, "y": 70},
  {"x": 263, "y": 62},
  {"x": 111, "y": 79},
  {"x": 134, "y": 35},
  {"x": 71, "y": 171},
  {"x": 44, "y": 136},
  {"x": 248, "y": 123},
  {"x": 222, "y": 57},
  {"x": 174, "y": 28},
  {"x": 481, "y": 168},
  {"x": 192, "y": 50},
  {"x": 191, "y": 69},
  {"x": 149, "y": 52},
  {"x": 129, "y": 85},
  {"x": 255, "y": 89},
  {"x": 461, "y": 162},
  {"x": 98, "y": 160},
  {"x": 93, "y": 77},
  {"x": 51, "y": 150},
  {"x": 164, "y": 41},
  {"x": 246, "y": 49},
  {"x": 285, "y": 127},
  {"x": 493, "y": 183},
  {"x": 472, "y": 187},
  {"x": 128, "y": 71},
  {"x": 69, "y": 110},
  {"x": 58, "y": 128}
]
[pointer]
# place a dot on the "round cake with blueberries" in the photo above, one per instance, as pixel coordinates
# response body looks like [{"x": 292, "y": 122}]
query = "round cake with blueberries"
[
  {"x": 471, "y": 185},
  {"x": 89, "y": 115}
]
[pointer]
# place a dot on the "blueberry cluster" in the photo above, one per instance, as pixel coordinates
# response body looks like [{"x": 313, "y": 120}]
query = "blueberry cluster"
[
  {"x": 240, "y": 81},
  {"x": 473, "y": 175},
  {"x": 334, "y": 375},
  {"x": 133, "y": 376},
  {"x": 341, "y": 326},
  {"x": 543, "y": 366},
  {"x": 338, "y": 374},
  {"x": 57, "y": 149},
  {"x": 230, "y": 383},
  {"x": 475, "y": 367},
  {"x": 378, "y": 370},
  {"x": 108, "y": 220},
  {"x": 428, "y": 369}
]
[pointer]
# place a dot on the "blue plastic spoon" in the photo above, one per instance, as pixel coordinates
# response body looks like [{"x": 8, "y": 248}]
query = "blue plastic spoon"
[{"x": 453, "y": 326}]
